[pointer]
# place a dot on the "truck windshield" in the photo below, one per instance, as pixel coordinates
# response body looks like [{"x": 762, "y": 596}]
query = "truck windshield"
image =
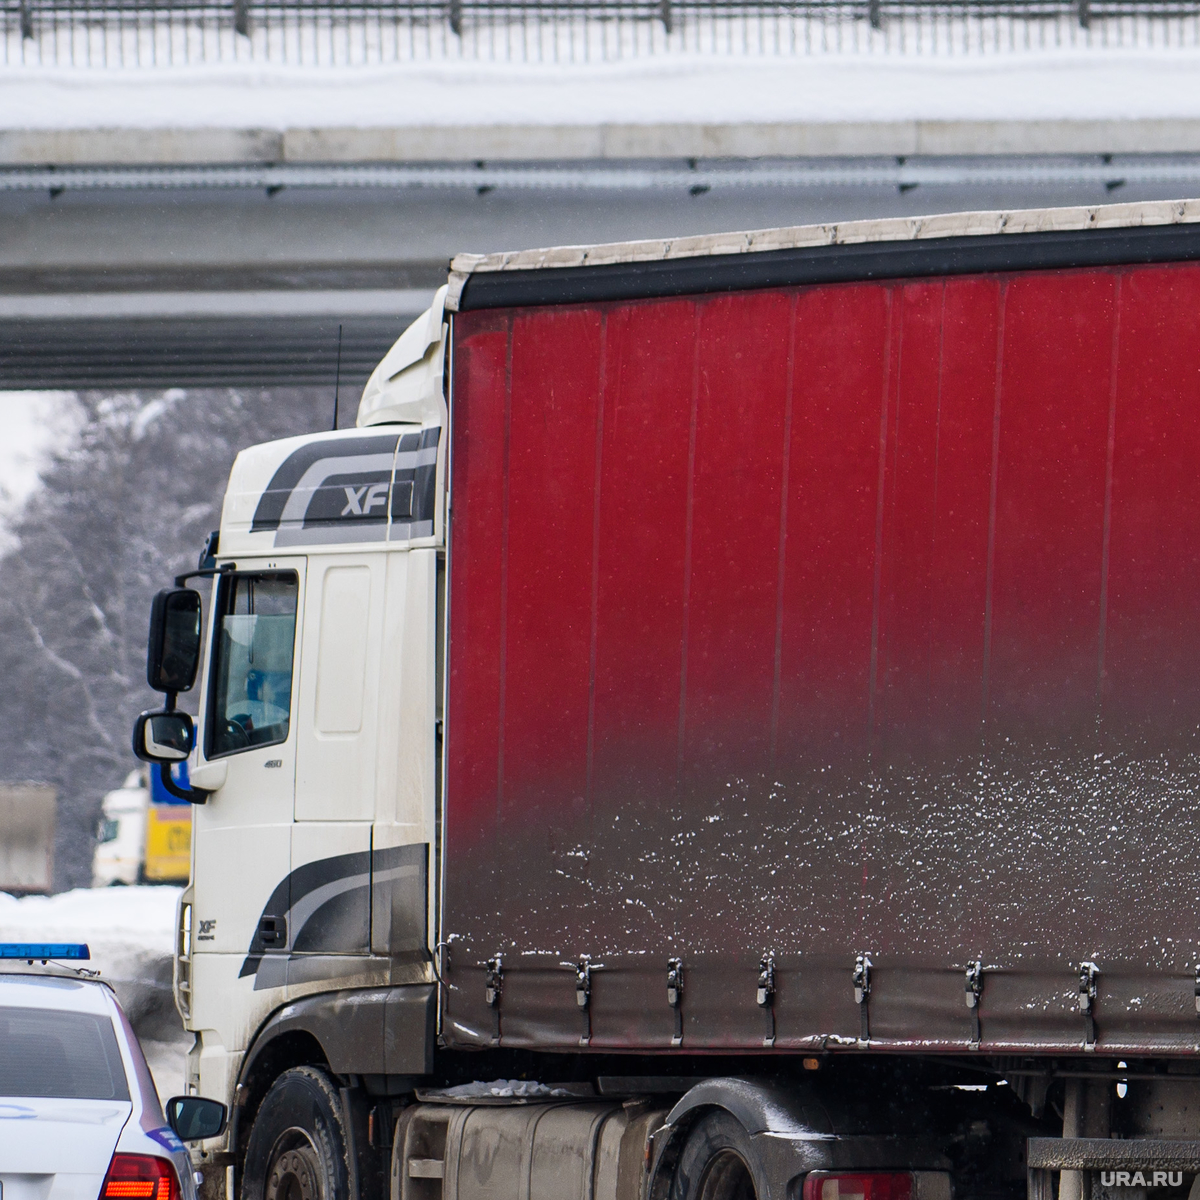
[
  {"x": 252, "y": 662},
  {"x": 63, "y": 1054}
]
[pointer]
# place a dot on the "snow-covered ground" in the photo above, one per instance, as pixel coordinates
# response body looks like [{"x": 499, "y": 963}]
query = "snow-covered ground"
[
  {"x": 130, "y": 932},
  {"x": 1087, "y": 84},
  {"x": 128, "y": 916}
]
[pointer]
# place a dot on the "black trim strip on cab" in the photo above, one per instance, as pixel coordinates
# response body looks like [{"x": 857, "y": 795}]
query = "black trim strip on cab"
[{"x": 979, "y": 254}]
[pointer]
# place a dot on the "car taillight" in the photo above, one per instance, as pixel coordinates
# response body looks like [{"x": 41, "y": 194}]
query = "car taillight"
[
  {"x": 140, "y": 1177},
  {"x": 874, "y": 1185}
]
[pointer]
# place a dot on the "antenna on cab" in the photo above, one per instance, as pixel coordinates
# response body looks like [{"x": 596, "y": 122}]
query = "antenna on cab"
[{"x": 337, "y": 379}]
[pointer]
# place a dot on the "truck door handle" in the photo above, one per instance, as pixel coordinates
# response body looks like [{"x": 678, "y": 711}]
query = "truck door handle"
[{"x": 272, "y": 931}]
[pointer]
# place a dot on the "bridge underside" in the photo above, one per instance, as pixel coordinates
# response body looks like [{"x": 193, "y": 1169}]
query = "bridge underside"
[
  {"x": 168, "y": 281},
  {"x": 254, "y": 351}
]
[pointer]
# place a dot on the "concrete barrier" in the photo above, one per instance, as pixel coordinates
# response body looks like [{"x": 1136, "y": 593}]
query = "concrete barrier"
[{"x": 534, "y": 143}]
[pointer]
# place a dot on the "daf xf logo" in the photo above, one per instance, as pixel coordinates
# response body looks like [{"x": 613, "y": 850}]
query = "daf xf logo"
[
  {"x": 360, "y": 501},
  {"x": 374, "y": 487}
]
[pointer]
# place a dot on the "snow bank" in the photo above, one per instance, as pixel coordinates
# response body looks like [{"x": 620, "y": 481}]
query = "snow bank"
[
  {"x": 1069, "y": 84},
  {"x": 143, "y": 916},
  {"x": 130, "y": 932}
]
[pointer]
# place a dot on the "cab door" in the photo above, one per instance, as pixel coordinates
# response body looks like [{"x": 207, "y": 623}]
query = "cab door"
[
  {"x": 243, "y": 832},
  {"x": 336, "y": 766}
]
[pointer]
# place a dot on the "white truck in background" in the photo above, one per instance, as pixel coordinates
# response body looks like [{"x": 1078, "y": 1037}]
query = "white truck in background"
[{"x": 121, "y": 833}]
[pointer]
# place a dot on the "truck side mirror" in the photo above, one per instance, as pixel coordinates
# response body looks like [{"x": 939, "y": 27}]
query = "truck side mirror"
[
  {"x": 163, "y": 737},
  {"x": 193, "y": 1118},
  {"x": 173, "y": 652}
]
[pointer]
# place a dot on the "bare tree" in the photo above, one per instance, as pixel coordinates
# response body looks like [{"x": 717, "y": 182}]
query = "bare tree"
[{"x": 117, "y": 515}]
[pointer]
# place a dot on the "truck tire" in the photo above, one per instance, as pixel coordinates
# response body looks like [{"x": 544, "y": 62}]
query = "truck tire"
[
  {"x": 717, "y": 1163},
  {"x": 299, "y": 1148}
]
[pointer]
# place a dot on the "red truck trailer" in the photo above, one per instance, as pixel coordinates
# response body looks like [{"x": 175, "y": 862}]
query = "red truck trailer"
[
  {"x": 839, "y": 629},
  {"x": 814, "y": 809}
]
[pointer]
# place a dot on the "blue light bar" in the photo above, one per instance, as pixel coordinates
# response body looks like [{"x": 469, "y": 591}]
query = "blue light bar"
[{"x": 44, "y": 950}]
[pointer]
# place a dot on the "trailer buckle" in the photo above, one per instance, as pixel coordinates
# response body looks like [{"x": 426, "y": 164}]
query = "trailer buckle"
[
  {"x": 862, "y": 990},
  {"x": 583, "y": 992},
  {"x": 495, "y": 981},
  {"x": 765, "y": 996},
  {"x": 675, "y": 996},
  {"x": 974, "y": 990},
  {"x": 1088, "y": 974},
  {"x": 492, "y": 991}
]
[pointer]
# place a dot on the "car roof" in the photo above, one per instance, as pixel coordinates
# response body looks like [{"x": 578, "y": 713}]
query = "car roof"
[{"x": 56, "y": 992}]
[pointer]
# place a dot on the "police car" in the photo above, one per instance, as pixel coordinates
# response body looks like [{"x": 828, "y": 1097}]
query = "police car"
[{"x": 80, "y": 1118}]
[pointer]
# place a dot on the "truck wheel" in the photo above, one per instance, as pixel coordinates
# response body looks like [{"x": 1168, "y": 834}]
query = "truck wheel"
[
  {"x": 298, "y": 1148},
  {"x": 717, "y": 1163}
]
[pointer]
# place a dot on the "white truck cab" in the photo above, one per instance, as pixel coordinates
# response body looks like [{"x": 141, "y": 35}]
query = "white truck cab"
[
  {"x": 121, "y": 836},
  {"x": 315, "y": 753}
]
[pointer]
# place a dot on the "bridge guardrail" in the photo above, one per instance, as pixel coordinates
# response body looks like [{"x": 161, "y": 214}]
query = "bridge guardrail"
[{"x": 326, "y": 33}]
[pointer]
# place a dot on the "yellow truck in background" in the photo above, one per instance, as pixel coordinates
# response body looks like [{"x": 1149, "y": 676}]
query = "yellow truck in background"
[{"x": 142, "y": 837}]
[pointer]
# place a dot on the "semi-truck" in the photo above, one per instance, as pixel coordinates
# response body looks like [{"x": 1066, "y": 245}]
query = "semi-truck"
[{"x": 722, "y": 726}]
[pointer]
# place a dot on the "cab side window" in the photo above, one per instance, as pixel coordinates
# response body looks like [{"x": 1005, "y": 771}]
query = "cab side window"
[{"x": 253, "y": 651}]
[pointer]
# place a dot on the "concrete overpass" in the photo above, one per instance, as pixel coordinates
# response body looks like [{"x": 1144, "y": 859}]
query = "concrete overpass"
[{"x": 135, "y": 260}]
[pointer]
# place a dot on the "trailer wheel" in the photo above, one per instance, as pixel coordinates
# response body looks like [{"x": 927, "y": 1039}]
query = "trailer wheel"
[
  {"x": 298, "y": 1147},
  {"x": 717, "y": 1163}
]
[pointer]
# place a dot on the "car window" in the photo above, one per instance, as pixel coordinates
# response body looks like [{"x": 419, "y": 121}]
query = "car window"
[
  {"x": 252, "y": 662},
  {"x": 74, "y": 1056}
]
